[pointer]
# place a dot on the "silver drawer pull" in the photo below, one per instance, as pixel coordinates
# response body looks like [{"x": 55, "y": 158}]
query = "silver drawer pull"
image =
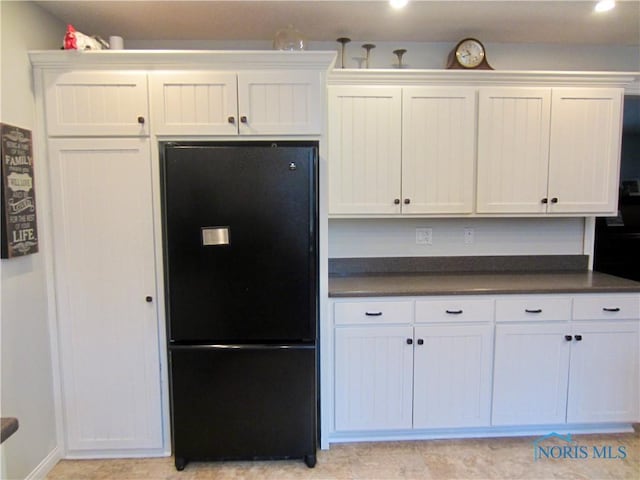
[
  {"x": 454, "y": 312},
  {"x": 373, "y": 314},
  {"x": 531, "y": 310},
  {"x": 614, "y": 309}
]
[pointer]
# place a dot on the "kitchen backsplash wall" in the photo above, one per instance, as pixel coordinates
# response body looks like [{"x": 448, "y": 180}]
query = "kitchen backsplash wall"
[{"x": 488, "y": 236}]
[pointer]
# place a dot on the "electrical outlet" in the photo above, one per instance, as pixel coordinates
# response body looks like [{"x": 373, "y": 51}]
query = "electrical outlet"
[
  {"x": 424, "y": 236},
  {"x": 469, "y": 235}
]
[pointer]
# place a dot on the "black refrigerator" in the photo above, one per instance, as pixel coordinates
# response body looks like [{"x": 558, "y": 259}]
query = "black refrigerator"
[{"x": 240, "y": 246}]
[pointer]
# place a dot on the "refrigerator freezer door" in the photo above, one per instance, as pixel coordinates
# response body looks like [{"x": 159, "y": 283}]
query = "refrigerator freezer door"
[
  {"x": 253, "y": 281},
  {"x": 243, "y": 402}
]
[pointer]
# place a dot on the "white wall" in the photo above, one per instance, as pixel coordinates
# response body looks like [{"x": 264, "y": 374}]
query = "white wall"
[
  {"x": 492, "y": 236},
  {"x": 501, "y": 56},
  {"x": 27, "y": 385}
]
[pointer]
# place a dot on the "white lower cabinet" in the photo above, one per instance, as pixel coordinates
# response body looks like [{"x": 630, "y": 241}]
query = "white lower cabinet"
[
  {"x": 105, "y": 281},
  {"x": 452, "y": 376},
  {"x": 563, "y": 369},
  {"x": 394, "y": 377},
  {"x": 603, "y": 380},
  {"x": 435, "y": 363},
  {"x": 373, "y": 378},
  {"x": 530, "y": 374}
]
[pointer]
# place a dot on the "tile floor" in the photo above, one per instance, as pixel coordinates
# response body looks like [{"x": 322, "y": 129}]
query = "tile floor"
[{"x": 498, "y": 458}]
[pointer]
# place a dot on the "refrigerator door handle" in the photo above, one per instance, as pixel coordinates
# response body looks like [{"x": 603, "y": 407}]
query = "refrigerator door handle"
[{"x": 215, "y": 236}]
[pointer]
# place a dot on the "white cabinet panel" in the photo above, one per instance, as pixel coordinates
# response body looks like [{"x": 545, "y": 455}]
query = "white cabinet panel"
[
  {"x": 513, "y": 149},
  {"x": 104, "y": 266},
  {"x": 194, "y": 103},
  {"x": 606, "y": 307},
  {"x": 373, "y": 378},
  {"x": 280, "y": 103},
  {"x": 604, "y": 382},
  {"x": 96, "y": 103},
  {"x": 585, "y": 149},
  {"x": 364, "y": 150},
  {"x": 529, "y": 308},
  {"x": 452, "y": 376},
  {"x": 438, "y": 149},
  {"x": 454, "y": 310},
  {"x": 373, "y": 312},
  {"x": 530, "y": 374}
]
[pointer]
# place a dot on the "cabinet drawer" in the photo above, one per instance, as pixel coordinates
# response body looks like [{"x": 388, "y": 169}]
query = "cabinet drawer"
[
  {"x": 533, "y": 308},
  {"x": 454, "y": 310},
  {"x": 602, "y": 307},
  {"x": 373, "y": 312}
]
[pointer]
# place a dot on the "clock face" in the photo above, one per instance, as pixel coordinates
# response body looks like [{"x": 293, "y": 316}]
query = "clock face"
[{"x": 470, "y": 53}]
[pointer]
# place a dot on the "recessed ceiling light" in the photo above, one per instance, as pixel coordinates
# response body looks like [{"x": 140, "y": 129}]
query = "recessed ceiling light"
[
  {"x": 604, "y": 5},
  {"x": 398, "y": 3}
]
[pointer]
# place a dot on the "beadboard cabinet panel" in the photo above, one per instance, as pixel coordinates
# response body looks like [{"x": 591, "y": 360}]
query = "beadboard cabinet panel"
[
  {"x": 604, "y": 378},
  {"x": 585, "y": 150},
  {"x": 452, "y": 376},
  {"x": 438, "y": 149},
  {"x": 96, "y": 103},
  {"x": 513, "y": 149},
  {"x": 364, "y": 150},
  {"x": 194, "y": 103},
  {"x": 374, "y": 380},
  {"x": 530, "y": 374},
  {"x": 107, "y": 327},
  {"x": 280, "y": 103}
]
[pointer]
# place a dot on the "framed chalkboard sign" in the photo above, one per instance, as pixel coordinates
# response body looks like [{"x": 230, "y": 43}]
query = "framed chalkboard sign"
[{"x": 19, "y": 225}]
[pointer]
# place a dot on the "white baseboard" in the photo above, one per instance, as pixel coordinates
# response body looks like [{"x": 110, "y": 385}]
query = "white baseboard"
[{"x": 46, "y": 465}]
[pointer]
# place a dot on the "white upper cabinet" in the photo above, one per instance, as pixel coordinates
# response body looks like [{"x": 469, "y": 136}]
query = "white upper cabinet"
[
  {"x": 401, "y": 150},
  {"x": 585, "y": 150},
  {"x": 438, "y": 149},
  {"x": 194, "y": 103},
  {"x": 96, "y": 103},
  {"x": 486, "y": 143},
  {"x": 230, "y": 103},
  {"x": 280, "y": 103},
  {"x": 364, "y": 150},
  {"x": 549, "y": 150},
  {"x": 513, "y": 149}
]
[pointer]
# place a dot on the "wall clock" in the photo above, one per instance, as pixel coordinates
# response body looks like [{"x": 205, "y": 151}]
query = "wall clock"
[{"x": 468, "y": 54}]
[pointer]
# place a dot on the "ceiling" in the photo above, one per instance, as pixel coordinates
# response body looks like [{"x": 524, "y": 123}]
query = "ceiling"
[{"x": 516, "y": 21}]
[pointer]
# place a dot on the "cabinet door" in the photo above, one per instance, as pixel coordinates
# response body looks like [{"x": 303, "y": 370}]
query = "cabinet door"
[
  {"x": 194, "y": 103},
  {"x": 364, "y": 150},
  {"x": 280, "y": 103},
  {"x": 530, "y": 374},
  {"x": 585, "y": 150},
  {"x": 104, "y": 270},
  {"x": 452, "y": 377},
  {"x": 373, "y": 378},
  {"x": 438, "y": 149},
  {"x": 96, "y": 104},
  {"x": 603, "y": 378},
  {"x": 513, "y": 149}
]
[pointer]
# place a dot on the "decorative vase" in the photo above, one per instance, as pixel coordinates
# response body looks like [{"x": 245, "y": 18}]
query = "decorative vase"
[{"x": 289, "y": 39}]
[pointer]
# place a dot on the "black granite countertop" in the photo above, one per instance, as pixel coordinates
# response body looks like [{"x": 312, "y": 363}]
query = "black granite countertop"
[{"x": 469, "y": 276}]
